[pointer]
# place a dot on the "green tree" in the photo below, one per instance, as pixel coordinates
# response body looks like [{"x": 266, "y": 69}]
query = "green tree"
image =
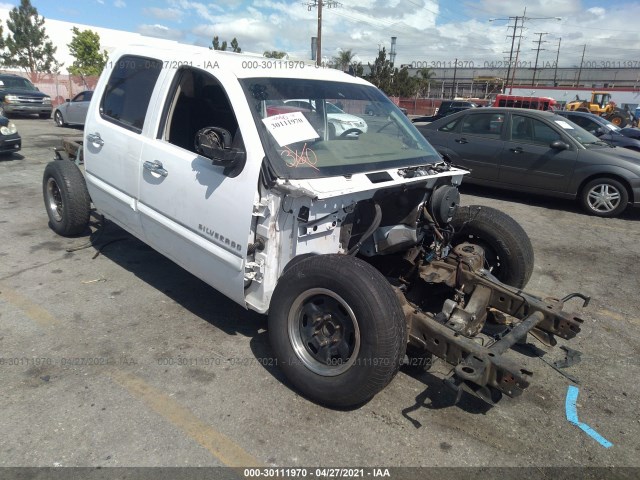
[
  {"x": 27, "y": 45},
  {"x": 424, "y": 77},
  {"x": 216, "y": 45},
  {"x": 85, "y": 48},
  {"x": 381, "y": 72},
  {"x": 274, "y": 54},
  {"x": 344, "y": 59},
  {"x": 403, "y": 85},
  {"x": 234, "y": 46}
]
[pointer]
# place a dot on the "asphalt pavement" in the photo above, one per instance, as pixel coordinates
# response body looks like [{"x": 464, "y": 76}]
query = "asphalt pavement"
[{"x": 112, "y": 355}]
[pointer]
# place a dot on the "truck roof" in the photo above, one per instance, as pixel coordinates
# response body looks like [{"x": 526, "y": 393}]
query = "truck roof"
[{"x": 242, "y": 65}]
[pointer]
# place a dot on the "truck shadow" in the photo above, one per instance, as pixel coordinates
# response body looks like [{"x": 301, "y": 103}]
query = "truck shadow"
[
  {"x": 535, "y": 200},
  {"x": 200, "y": 299},
  {"x": 176, "y": 283}
]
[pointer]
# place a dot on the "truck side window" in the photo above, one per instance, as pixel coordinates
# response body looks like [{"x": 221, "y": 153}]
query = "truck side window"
[
  {"x": 127, "y": 94},
  {"x": 197, "y": 100}
]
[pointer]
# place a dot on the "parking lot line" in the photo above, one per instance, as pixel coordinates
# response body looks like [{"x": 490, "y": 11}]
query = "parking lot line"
[
  {"x": 618, "y": 316},
  {"x": 35, "y": 312},
  {"x": 219, "y": 445}
]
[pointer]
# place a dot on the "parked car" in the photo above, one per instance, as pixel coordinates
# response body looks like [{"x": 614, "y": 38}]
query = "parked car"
[
  {"x": 339, "y": 121},
  {"x": 445, "y": 109},
  {"x": 19, "y": 95},
  {"x": 74, "y": 111},
  {"x": 539, "y": 152},
  {"x": 601, "y": 128},
  {"x": 631, "y": 132},
  {"x": 10, "y": 140}
]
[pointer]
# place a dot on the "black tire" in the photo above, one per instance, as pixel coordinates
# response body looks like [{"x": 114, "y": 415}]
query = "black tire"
[
  {"x": 618, "y": 120},
  {"x": 59, "y": 119},
  {"x": 604, "y": 197},
  {"x": 356, "y": 310},
  {"x": 66, "y": 198},
  {"x": 507, "y": 247},
  {"x": 44, "y": 115}
]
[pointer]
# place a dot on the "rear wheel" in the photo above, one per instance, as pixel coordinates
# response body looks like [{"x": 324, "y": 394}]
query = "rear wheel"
[
  {"x": 337, "y": 329},
  {"x": 604, "y": 197},
  {"x": 58, "y": 119},
  {"x": 507, "y": 247},
  {"x": 66, "y": 198}
]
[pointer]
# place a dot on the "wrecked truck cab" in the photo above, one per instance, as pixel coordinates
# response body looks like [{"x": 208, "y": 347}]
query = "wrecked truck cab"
[{"x": 353, "y": 243}]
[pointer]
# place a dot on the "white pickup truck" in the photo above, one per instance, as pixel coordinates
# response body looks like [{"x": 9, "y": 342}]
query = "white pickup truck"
[{"x": 352, "y": 241}]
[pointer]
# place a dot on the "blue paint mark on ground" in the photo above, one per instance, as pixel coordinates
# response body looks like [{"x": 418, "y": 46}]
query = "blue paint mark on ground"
[{"x": 572, "y": 416}]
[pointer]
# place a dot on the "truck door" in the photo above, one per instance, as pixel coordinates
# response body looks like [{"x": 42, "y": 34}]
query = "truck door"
[
  {"x": 112, "y": 138},
  {"x": 191, "y": 211}
]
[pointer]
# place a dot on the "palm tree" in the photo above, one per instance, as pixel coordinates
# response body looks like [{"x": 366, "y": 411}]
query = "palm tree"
[
  {"x": 344, "y": 59},
  {"x": 424, "y": 77}
]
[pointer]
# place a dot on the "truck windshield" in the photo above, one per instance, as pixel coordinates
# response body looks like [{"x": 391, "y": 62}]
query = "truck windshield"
[{"x": 313, "y": 128}]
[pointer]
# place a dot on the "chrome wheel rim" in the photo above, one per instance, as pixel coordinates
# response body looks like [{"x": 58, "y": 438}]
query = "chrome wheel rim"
[
  {"x": 54, "y": 200},
  {"x": 604, "y": 198},
  {"x": 59, "y": 119},
  {"x": 323, "y": 332}
]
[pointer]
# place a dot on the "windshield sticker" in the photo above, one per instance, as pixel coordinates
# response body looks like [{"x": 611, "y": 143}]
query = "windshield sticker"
[
  {"x": 307, "y": 158},
  {"x": 290, "y": 128},
  {"x": 564, "y": 125}
]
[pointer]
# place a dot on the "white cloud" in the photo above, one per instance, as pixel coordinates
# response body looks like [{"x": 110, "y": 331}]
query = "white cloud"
[
  {"x": 597, "y": 11},
  {"x": 119, "y": 4},
  {"x": 174, "y": 14},
  {"x": 160, "y": 31}
]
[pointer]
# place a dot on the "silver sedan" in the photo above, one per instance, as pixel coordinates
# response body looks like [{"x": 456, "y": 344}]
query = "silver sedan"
[{"x": 74, "y": 111}]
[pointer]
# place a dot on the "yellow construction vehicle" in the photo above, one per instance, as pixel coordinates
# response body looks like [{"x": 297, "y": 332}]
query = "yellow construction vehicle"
[{"x": 601, "y": 104}]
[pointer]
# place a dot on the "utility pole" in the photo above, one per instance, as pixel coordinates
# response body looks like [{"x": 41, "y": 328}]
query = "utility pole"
[
  {"x": 581, "y": 62},
  {"x": 319, "y": 4},
  {"x": 453, "y": 85},
  {"x": 539, "y": 42},
  {"x": 517, "y": 19},
  {"x": 555, "y": 72}
]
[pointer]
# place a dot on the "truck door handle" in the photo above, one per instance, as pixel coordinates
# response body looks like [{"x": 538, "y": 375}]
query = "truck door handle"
[
  {"x": 517, "y": 150},
  {"x": 155, "y": 167},
  {"x": 95, "y": 138},
  {"x": 461, "y": 140}
]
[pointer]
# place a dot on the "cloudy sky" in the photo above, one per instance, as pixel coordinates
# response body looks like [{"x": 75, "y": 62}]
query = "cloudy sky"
[{"x": 428, "y": 31}]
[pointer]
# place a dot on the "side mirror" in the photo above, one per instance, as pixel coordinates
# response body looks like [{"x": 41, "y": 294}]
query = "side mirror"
[
  {"x": 559, "y": 145},
  {"x": 67, "y": 99},
  {"x": 215, "y": 143}
]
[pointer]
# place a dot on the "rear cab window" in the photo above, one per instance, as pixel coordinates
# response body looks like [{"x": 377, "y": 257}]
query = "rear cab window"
[{"x": 126, "y": 97}]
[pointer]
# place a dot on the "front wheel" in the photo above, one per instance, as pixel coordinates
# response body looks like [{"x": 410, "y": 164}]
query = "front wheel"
[
  {"x": 337, "y": 329},
  {"x": 604, "y": 197},
  {"x": 507, "y": 247},
  {"x": 66, "y": 198},
  {"x": 618, "y": 119}
]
